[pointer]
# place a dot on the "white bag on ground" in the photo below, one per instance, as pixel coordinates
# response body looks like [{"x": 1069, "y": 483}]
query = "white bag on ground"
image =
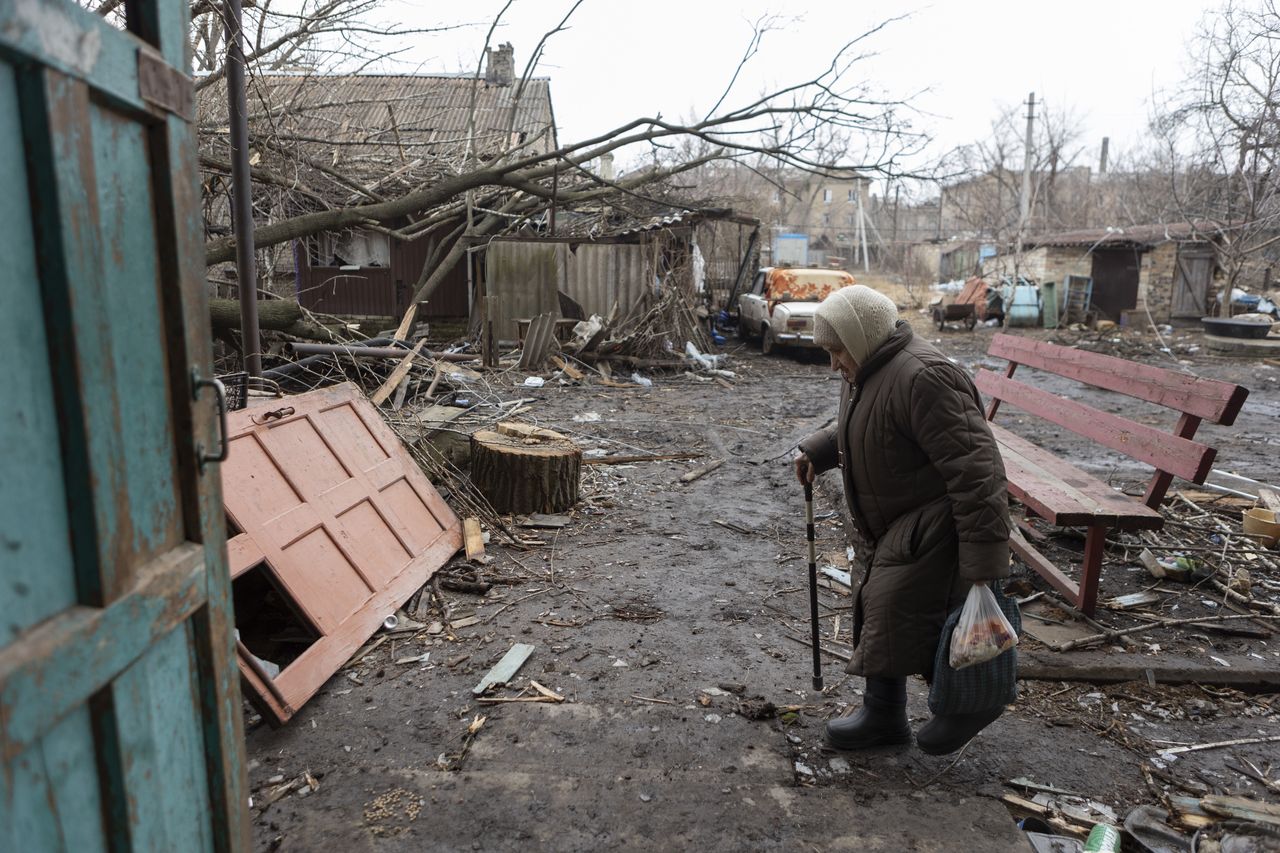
[{"x": 982, "y": 632}]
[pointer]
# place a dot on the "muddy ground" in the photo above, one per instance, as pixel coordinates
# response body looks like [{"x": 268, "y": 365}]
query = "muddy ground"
[{"x": 665, "y": 615}]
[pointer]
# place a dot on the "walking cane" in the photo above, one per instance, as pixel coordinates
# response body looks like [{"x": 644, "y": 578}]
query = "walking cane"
[{"x": 813, "y": 588}]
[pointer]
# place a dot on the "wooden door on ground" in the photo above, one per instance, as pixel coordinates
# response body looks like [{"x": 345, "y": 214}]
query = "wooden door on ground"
[
  {"x": 1115, "y": 281},
  {"x": 1191, "y": 279},
  {"x": 120, "y": 717}
]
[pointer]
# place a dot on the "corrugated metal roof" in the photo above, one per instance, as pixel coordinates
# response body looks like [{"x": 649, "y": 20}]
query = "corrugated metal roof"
[
  {"x": 524, "y": 276},
  {"x": 1140, "y": 235},
  {"x": 421, "y": 115}
]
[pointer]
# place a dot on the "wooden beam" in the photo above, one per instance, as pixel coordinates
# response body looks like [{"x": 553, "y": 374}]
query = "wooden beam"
[
  {"x": 402, "y": 370},
  {"x": 406, "y": 323},
  {"x": 473, "y": 538},
  {"x": 1183, "y": 457}
]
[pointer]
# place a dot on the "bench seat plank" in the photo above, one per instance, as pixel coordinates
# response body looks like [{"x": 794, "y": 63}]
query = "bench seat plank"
[
  {"x": 1210, "y": 399},
  {"x": 1064, "y": 495},
  {"x": 1188, "y": 459}
]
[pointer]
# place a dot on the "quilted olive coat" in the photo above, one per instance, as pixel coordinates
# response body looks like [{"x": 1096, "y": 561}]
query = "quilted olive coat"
[{"x": 926, "y": 489}]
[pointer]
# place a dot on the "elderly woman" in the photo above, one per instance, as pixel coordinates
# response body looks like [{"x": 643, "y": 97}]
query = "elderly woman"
[{"x": 926, "y": 488}]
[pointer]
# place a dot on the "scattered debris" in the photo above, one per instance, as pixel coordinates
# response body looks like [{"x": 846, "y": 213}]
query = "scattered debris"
[{"x": 505, "y": 669}]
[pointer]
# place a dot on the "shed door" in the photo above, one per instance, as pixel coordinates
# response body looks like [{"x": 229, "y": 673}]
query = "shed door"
[
  {"x": 1191, "y": 281},
  {"x": 119, "y": 703},
  {"x": 1115, "y": 281}
]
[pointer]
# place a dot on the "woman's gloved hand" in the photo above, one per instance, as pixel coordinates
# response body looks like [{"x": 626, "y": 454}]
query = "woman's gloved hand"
[{"x": 805, "y": 472}]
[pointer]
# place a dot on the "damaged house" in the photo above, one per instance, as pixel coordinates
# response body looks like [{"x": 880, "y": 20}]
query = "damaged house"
[
  {"x": 1167, "y": 270},
  {"x": 361, "y": 138}
]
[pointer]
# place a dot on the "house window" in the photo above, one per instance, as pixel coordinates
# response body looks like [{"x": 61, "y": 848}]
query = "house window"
[
  {"x": 826, "y": 219},
  {"x": 853, "y": 195},
  {"x": 826, "y": 196},
  {"x": 848, "y": 219},
  {"x": 353, "y": 248}
]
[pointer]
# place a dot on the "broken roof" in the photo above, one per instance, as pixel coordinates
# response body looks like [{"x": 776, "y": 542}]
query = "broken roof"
[{"x": 387, "y": 127}]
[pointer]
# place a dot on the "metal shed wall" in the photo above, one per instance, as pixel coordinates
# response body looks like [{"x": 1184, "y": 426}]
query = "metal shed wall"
[
  {"x": 373, "y": 291},
  {"x": 524, "y": 276},
  {"x": 596, "y": 276}
]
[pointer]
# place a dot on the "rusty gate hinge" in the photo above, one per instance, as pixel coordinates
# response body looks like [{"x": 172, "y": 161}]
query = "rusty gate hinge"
[{"x": 163, "y": 86}]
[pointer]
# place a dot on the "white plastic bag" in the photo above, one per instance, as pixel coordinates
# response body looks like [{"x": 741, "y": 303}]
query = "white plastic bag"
[{"x": 982, "y": 632}]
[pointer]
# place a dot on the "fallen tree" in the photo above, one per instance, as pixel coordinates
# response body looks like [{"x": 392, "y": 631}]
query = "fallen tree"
[{"x": 276, "y": 315}]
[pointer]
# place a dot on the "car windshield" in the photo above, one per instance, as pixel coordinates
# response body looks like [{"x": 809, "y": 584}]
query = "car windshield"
[{"x": 800, "y": 285}]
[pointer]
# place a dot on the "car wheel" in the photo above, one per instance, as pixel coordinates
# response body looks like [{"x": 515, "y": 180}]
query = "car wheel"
[{"x": 768, "y": 345}]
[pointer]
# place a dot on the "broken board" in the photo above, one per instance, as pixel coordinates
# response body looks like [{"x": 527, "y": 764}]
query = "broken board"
[{"x": 325, "y": 501}]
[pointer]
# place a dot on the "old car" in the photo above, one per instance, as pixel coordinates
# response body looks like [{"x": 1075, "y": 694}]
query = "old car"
[{"x": 778, "y": 309}]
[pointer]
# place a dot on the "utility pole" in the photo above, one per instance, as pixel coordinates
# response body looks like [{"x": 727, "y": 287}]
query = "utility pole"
[
  {"x": 1024, "y": 203},
  {"x": 241, "y": 191},
  {"x": 862, "y": 229}
]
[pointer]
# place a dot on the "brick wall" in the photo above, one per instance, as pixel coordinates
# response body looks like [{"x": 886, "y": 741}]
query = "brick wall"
[
  {"x": 1044, "y": 263},
  {"x": 1062, "y": 261},
  {"x": 1155, "y": 280}
]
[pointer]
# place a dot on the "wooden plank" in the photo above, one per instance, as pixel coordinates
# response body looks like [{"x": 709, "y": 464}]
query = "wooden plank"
[
  {"x": 401, "y": 370},
  {"x": 1043, "y": 567},
  {"x": 569, "y": 370},
  {"x": 473, "y": 538},
  {"x": 701, "y": 472},
  {"x": 1062, "y": 494},
  {"x": 406, "y": 323},
  {"x": 1036, "y": 666},
  {"x": 505, "y": 669},
  {"x": 63, "y": 662},
  {"x": 181, "y": 241},
  {"x": 1209, "y": 399},
  {"x": 1190, "y": 460}
]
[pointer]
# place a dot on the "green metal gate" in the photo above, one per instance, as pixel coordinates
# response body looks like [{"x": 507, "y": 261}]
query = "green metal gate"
[{"x": 120, "y": 723}]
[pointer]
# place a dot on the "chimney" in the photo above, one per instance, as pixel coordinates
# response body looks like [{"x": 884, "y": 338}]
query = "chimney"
[
  {"x": 500, "y": 65},
  {"x": 606, "y": 166},
  {"x": 1102, "y": 161}
]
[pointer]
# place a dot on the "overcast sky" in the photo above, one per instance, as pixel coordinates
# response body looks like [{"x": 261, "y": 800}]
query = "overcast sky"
[{"x": 621, "y": 60}]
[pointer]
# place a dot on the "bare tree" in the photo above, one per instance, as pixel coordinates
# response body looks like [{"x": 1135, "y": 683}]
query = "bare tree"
[
  {"x": 1219, "y": 136},
  {"x": 305, "y": 187},
  {"x": 984, "y": 201}
]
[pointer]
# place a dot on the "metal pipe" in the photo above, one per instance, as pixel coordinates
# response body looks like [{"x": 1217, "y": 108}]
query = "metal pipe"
[
  {"x": 373, "y": 351},
  {"x": 241, "y": 192},
  {"x": 342, "y": 349}
]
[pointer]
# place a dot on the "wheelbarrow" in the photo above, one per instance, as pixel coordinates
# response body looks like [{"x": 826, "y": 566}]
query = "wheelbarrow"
[{"x": 956, "y": 312}]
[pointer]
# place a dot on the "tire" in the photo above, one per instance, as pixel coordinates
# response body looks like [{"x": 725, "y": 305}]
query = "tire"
[
  {"x": 972, "y": 322},
  {"x": 768, "y": 345}
]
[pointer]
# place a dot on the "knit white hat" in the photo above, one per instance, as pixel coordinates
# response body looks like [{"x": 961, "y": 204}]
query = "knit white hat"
[{"x": 856, "y": 318}]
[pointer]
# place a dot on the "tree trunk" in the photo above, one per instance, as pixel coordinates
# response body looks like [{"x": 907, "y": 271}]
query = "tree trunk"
[
  {"x": 522, "y": 470},
  {"x": 276, "y": 315}
]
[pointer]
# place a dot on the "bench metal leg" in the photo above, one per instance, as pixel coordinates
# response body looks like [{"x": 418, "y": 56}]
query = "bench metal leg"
[
  {"x": 1083, "y": 595},
  {"x": 1091, "y": 570}
]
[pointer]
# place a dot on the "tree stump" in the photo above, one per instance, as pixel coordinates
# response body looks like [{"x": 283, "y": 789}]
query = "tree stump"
[{"x": 522, "y": 469}]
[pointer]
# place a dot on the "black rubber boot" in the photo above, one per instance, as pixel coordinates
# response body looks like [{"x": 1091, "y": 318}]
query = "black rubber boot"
[
  {"x": 947, "y": 733},
  {"x": 882, "y": 720}
]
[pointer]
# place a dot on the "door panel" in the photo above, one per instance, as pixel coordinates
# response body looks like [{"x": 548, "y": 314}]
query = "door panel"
[
  {"x": 120, "y": 721},
  {"x": 1192, "y": 276}
]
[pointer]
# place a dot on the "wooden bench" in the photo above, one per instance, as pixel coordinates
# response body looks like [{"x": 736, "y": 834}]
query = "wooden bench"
[{"x": 1060, "y": 493}]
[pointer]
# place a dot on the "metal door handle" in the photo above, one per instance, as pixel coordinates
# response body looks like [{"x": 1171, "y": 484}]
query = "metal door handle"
[{"x": 220, "y": 391}]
